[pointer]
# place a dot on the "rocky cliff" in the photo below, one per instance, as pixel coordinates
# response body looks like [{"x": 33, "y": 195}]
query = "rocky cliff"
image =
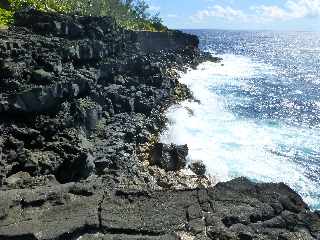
[
  {"x": 79, "y": 95},
  {"x": 81, "y": 103},
  {"x": 159, "y": 41}
]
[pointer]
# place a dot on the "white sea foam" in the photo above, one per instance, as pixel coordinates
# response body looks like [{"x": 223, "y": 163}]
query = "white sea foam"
[{"x": 231, "y": 146}]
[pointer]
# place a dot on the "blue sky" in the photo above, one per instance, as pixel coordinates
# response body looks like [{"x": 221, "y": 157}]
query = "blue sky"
[{"x": 240, "y": 14}]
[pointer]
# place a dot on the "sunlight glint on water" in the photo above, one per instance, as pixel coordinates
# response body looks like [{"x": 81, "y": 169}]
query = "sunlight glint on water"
[{"x": 232, "y": 145}]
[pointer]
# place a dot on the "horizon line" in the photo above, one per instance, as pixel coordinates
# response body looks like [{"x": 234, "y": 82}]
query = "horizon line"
[{"x": 247, "y": 30}]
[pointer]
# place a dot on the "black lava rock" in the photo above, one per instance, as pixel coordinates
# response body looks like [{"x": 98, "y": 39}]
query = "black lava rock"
[
  {"x": 198, "y": 167},
  {"x": 79, "y": 97},
  {"x": 170, "y": 157}
]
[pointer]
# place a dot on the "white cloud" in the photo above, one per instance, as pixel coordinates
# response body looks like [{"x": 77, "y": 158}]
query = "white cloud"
[
  {"x": 293, "y": 9},
  {"x": 305, "y": 8},
  {"x": 270, "y": 12},
  {"x": 219, "y": 11}
]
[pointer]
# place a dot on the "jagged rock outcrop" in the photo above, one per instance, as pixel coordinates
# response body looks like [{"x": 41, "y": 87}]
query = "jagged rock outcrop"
[{"x": 78, "y": 95}]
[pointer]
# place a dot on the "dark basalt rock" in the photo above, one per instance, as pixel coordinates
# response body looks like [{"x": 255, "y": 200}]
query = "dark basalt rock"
[
  {"x": 73, "y": 210},
  {"x": 156, "y": 41},
  {"x": 84, "y": 86},
  {"x": 170, "y": 157},
  {"x": 79, "y": 96},
  {"x": 43, "y": 100},
  {"x": 198, "y": 167}
]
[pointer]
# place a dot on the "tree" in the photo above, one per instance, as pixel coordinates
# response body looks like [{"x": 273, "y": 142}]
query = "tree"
[
  {"x": 140, "y": 7},
  {"x": 130, "y": 14}
]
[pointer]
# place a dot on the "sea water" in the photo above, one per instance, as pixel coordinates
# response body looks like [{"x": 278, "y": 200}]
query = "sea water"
[{"x": 258, "y": 111}]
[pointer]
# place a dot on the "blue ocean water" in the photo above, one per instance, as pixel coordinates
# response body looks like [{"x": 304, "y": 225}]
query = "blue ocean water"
[{"x": 259, "y": 110}]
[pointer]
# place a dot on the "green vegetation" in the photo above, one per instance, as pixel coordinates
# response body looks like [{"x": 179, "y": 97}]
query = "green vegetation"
[
  {"x": 6, "y": 17},
  {"x": 130, "y": 14}
]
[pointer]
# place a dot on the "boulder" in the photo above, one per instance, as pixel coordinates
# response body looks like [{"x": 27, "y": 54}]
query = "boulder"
[{"x": 170, "y": 157}]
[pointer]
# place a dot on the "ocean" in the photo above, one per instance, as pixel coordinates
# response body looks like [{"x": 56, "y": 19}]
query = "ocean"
[{"x": 258, "y": 113}]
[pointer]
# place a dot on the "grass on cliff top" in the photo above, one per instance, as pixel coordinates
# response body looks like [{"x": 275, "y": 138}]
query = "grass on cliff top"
[{"x": 130, "y": 14}]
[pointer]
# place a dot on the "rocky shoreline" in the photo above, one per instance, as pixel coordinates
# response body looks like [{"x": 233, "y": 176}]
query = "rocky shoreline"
[{"x": 81, "y": 105}]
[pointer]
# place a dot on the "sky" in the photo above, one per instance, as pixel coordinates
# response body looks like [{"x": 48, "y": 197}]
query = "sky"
[{"x": 283, "y": 15}]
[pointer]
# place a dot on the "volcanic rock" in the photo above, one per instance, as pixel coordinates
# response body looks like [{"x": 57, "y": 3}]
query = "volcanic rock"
[
  {"x": 78, "y": 97},
  {"x": 198, "y": 167},
  {"x": 170, "y": 157}
]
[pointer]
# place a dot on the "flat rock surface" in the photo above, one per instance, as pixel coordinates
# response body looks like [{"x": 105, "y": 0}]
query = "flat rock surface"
[{"x": 238, "y": 209}]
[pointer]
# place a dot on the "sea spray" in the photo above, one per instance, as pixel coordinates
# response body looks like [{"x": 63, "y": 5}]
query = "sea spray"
[{"x": 233, "y": 145}]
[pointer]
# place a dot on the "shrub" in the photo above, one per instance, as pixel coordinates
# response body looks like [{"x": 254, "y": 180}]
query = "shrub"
[
  {"x": 130, "y": 14},
  {"x": 6, "y": 17}
]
